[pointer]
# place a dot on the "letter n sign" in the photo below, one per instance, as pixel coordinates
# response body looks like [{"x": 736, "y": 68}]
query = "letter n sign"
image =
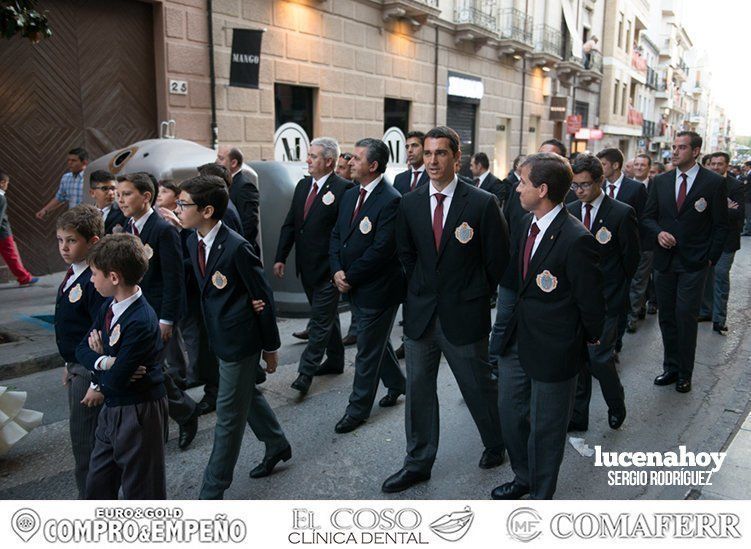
[{"x": 246, "y": 58}]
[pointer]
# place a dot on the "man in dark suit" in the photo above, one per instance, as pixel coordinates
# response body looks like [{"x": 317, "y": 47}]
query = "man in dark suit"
[
  {"x": 687, "y": 214},
  {"x": 243, "y": 194},
  {"x": 619, "y": 187},
  {"x": 717, "y": 286},
  {"x": 307, "y": 227},
  {"x": 479, "y": 165},
  {"x": 453, "y": 243},
  {"x": 559, "y": 310},
  {"x": 231, "y": 217},
  {"x": 507, "y": 287},
  {"x": 362, "y": 254},
  {"x": 416, "y": 175},
  {"x": 616, "y": 231}
]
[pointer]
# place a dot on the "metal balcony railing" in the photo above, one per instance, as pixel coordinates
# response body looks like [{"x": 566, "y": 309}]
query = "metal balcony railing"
[
  {"x": 480, "y": 13},
  {"x": 515, "y": 25},
  {"x": 635, "y": 117},
  {"x": 653, "y": 78},
  {"x": 548, "y": 40},
  {"x": 593, "y": 61},
  {"x": 649, "y": 128}
]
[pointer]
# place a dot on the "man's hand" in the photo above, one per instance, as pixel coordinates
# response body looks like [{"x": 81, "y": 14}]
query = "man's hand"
[
  {"x": 258, "y": 306},
  {"x": 95, "y": 342},
  {"x": 732, "y": 205},
  {"x": 666, "y": 240},
  {"x": 41, "y": 214},
  {"x": 93, "y": 398},
  {"x": 271, "y": 360},
  {"x": 340, "y": 281},
  {"x": 166, "y": 330},
  {"x": 279, "y": 269},
  {"x": 170, "y": 216},
  {"x": 138, "y": 374}
]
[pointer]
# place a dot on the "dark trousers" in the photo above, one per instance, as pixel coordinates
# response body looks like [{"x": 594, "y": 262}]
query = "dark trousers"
[
  {"x": 82, "y": 424},
  {"x": 717, "y": 289},
  {"x": 324, "y": 331},
  {"x": 639, "y": 291},
  {"x": 129, "y": 452},
  {"x": 601, "y": 365},
  {"x": 679, "y": 295},
  {"x": 534, "y": 416},
  {"x": 238, "y": 401},
  {"x": 375, "y": 359},
  {"x": 181, "y": 406},
  {"x": 504, "y": 310},
  {"x": 469, "y": 364}
]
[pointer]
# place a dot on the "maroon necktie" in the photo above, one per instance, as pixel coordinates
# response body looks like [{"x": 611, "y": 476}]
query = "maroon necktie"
[
  {"x": 310, "y": 200},
  {"x": 477, "y": 182},
  {"x": 682, "y": 192},
  {"x": 202, "y": 257},
  {"x": 438, "y": 220},
  {"x": 68, "y": 274},
  {"x": 132, "y": 227},
  {"x": 588, "y": 217},
  {"x": 415, "y": 177},
  {"x": 109, "y": 315},
  {"x": 612, "y": 190},
  {"x": 534, "y": 230},
  {"x": 360, "y": 200}
]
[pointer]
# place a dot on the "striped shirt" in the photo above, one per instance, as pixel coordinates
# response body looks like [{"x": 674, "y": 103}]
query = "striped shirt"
[{"x": 71, "y": 189}]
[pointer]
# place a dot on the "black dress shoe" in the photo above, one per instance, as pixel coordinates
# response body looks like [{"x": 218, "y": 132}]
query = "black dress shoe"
[
  {"x": 683, "y": 385},
  {"x": 631, "y": 327},
  {"x": 390, "y": 399},
  {"x": 403, "y": 479},
  {"x": 651, "y": 308},
  {"x": 666, "y": 378},
  {"x": 574, "y": 426},
  {"x": 304, "y": 335},
  {"x": 347, "y": 424},
  {"x": 302, "y": 383},
  {"x": 510, "y": 490},
  {"x": 719, "y": 328},
  {"x": 615, "y": 419},
  {"x": 400, "y": 352},
  {"x": 492, "y": 458},
  {"x": 349, "y": 340},
  {"x": 642, "y": 314},
  {"x": 265, "y": 468},
  {"x": 704, "y": 318},
  {"x": 328, "y": 367},
  {"x": 188, "y": 431},
  {"x": 206, "y": 406}
]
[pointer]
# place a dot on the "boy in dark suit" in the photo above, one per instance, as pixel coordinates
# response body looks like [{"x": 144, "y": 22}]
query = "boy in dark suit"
[
  {"x": 102, "y": 186},
  {"x": 453, "y": 243},
  {"x": 76, "y": 307},
  {"x": 362, "y": 256},
  {"x": 308, "y": 225},
  {"x": 163, "y": 283},
  {"x": 125, "y": 338},
  {"x": 230, "y": 276},
  {"x": 616, "y": 231},
  {"x": 687, "y": 217},
  {"x": 559, "y": 310}
]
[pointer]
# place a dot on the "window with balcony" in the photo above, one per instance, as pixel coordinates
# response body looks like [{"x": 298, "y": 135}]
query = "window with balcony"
[
  {"x": 619, "y": 36},
  {"x": 480, "y": 13},
  {"x": 616, "y": 95}
]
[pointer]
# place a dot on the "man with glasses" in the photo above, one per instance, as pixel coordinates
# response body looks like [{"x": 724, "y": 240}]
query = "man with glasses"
[
  {"x": 102, "y": 186},
  {"x": 616, "y": 231}
]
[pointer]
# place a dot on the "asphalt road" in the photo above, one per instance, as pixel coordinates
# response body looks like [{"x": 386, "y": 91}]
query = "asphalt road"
[{"x": 353, "y": 466}]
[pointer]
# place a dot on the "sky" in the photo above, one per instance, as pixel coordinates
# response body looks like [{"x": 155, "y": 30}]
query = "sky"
[{"x": 722, "y": 28}]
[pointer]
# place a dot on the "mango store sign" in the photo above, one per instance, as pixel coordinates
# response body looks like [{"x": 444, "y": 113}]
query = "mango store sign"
[{"x": 291, "y": 143}]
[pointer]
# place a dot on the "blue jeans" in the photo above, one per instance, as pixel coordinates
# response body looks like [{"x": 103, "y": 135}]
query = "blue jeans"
[
  {"x": 717, "y": 289},
  {"x": 504, "y": 309}
]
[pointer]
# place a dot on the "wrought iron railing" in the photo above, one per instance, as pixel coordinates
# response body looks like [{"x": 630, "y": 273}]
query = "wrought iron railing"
[
  {"x": 480, "y": 13},
  {"x": 548, "y": 40},
  {"x": 649, "y": 128},
  {"x": 515, "y": 25},
  {"x": 593, "y": 61}
]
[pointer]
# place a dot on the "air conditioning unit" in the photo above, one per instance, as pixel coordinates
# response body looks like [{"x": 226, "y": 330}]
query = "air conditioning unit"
[{"x": 654, "y": 147}]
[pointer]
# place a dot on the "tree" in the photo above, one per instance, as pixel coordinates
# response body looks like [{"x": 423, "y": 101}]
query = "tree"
[{"x": 20, "y": 17}]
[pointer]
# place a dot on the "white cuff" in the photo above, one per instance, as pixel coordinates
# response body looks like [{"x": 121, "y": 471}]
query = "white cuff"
[
  {"x": 101, "y": 363},
  {"x": 166, "y": 322}
]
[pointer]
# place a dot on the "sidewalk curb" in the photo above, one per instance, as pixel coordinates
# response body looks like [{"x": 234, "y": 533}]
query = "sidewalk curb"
[{"x": 31, "y": 365}]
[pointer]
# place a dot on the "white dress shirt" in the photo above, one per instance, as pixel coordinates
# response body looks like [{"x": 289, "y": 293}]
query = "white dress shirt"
[
  {"x": 617, "y": 184},
  {"x": 140, "y": 222},
  {"x": 208, "y": 240},
  {"x": 78, "y": 268},
  {"x": 448, "y": 192},
  {"x": 595, "y": 207},
  {"x": 319, "y": 184},
  {"x": 543, "y": 223},
  {"x": 691, "y": 173},
  {"x": 368, "y": 189},
  {"x": 481, "y": 178},
  {"x": 118, "y": 308},
  {"x": 106, "y": 211}
]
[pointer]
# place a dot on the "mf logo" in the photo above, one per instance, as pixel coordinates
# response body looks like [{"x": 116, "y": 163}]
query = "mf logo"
[{"x": 524, "y": 524}]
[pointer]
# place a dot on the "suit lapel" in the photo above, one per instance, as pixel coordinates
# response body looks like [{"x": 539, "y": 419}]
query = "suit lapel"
[
  {"x": 367, "y": 205},
  {"x": 217, "y": 249},
  {"x": 192, "y": 245},
  {"x": 668, "y": 191},
  {"x": 602, "y": 214},
  {"x": 148, "y": 227},
  {"x": 695, "y": 189},
  {"x": 458, "y": 202},
  {"x": 544, "y": 247}
]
